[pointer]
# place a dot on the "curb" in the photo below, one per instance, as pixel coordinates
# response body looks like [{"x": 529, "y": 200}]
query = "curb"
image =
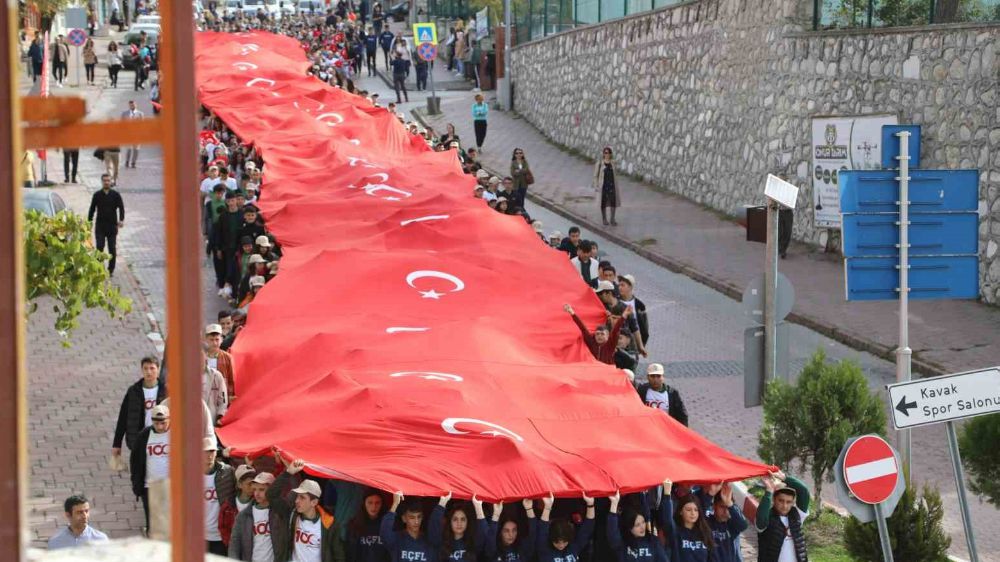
[{"x": 830, "y": 330}]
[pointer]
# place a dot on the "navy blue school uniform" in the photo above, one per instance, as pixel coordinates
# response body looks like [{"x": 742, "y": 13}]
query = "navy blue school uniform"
[
  {"x": 368, "y": 546},
  {"x": 685, "y": 544},
  {"x": 726, "y": 535},
  {"x": 401, "y": 546},
  {"x": 644, "y": 549},
  {"x": 523, "y": 549},
  {"x": 458, "y": 550},
  {"x": 572, "y": 552}
]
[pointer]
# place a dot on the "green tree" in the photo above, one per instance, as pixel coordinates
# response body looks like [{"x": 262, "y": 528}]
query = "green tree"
[
  {"x": 61, "y": 263},
  {"x": 810, "y": 420},
  {"x": 48, "y": 9},
  {"x": 915, "y": 531},
  {"x": 981, "y": 456}
]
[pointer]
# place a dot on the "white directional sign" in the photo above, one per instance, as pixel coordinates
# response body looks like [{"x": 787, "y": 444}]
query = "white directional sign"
[{"x": 945, "y": 398}]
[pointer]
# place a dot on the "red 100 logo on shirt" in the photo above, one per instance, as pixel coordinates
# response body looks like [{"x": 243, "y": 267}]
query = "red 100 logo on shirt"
[
  {"x": 158, "y": 450},
  {"x": 211, "y": 495},
  {"x": 305, "y": 538},
  {"x": 262, "y": 528}
]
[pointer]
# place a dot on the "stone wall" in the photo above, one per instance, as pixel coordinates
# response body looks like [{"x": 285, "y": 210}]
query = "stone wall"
[{"x": 706, "y": 98}]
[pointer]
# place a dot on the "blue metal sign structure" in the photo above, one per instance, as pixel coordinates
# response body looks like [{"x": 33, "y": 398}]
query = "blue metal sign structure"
[
  {"x": 890, "y": 145},
  {"x": 942, "y": 229},
  {"x": 877, "y": 191}
]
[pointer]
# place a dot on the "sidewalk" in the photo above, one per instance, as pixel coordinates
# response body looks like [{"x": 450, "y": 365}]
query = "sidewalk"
[
  {"x": 70, "y": 438},
  {"x": 946, "y": 336}
]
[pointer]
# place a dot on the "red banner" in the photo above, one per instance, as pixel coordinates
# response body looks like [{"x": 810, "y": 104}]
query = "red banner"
[{"x": 415, "y": 339}]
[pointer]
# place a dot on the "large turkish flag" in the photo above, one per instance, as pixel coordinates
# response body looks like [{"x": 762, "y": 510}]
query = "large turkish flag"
[{"x": 415, "y": 339}]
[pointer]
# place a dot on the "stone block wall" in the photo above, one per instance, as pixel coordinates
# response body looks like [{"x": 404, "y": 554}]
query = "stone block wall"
[{"x": 707, "y": 97}]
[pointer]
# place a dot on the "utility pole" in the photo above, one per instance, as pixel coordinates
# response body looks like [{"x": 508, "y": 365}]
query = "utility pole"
[{"x": 506, "y": 91}]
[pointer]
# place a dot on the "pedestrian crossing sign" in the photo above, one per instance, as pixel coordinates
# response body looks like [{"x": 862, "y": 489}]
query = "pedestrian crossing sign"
[{"x": 425, "y": 33}]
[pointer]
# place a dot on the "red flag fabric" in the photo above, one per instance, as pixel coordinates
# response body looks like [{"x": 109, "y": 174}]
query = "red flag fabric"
[{"x": 415, "y": 339}]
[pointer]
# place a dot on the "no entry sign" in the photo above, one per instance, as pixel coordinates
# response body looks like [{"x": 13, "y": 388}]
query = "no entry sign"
[{"x": 870, "y": 469}]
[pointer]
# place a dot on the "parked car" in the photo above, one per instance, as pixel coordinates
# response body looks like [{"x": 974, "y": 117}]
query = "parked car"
[
  {"x": 309, "y": 6},
  {"x": 40, "y": 199},
  {"x": 287, "y": 7},
  {"x": 153, "y": 19},
  {"x": 231, "y": 8},
  {"x": 399, "y": 12},
  {"x": 270, "y": 7}
]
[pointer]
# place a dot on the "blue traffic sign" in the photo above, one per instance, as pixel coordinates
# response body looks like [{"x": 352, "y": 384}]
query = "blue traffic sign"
[
  {"x": 931, "y": 277},
  {"x": 931, "y": 234},
  {"x": 942, "y": 227},
  {"x": 877, "y": 191},
  {"x": 890, "y": 145}
]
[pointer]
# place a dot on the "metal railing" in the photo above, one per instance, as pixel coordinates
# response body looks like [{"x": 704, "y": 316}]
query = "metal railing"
[{"x": 848, "y": 14}]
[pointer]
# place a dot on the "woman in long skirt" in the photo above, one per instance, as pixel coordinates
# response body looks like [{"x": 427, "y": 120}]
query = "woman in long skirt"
[{"x": 607, "y": 185}]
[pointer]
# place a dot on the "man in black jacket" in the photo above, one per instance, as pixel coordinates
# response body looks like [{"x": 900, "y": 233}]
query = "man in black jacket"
[
  {"x": 225, "y": 240},
  {"x": 150, "y": 458},
  {"x": 657, "y": 394},
  {"x": 136, "y": 412},
  {"x": 109, "y": 208}
]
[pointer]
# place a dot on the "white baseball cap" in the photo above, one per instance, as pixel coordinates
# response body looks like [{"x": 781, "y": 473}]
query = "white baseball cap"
[
  {"x": 309, "y": 487},
  {"x": 604, "y": 285},
  {"x": 213, "y": 329},
  {"x": 655, "y": 369},
  {"x": 264, "y": 478}
]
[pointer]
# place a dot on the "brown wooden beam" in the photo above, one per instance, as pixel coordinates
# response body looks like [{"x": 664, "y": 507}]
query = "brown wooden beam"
[
  {"x": 184, "y": 250},
  {"x": 13, "y": 392},
  {"x": 103, "y": 133},
  {"x": 60, "y": 109}
]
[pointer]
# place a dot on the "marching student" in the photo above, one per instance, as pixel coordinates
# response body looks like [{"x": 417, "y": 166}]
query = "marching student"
[
  {"x": 364, "y": 544},
  {"x": 450, "y": 530},
  {"x": 136, "y": 412},
  {"x": 689, "y": 536},
  {"x": 562, "y": 542},
  {"x": 727, "y": 523},
  {"x": 505, "y": 541},
  {"x": 409, "y": 543},
  {"x": 637, "y": 545},
  {"x": 779, "y": 526}
]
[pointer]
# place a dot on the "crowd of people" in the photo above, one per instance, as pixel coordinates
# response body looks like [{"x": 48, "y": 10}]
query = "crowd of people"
[{"x": 266, "y": 508}]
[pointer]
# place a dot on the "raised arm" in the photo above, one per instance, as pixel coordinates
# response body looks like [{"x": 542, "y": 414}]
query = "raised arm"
[
  {"x": 802, "y": 496},
  {"x": 388, "y": 522},
  {"x": 667, "y": 519},
  {"x": 435, "y": 526},
  {"x": 587, "y": 336},
  {"x": 764, "y": 509},
  {"x": 737, "y": 522},
  {"x": 586, "y": 528},
  {"x": 614, "y": 534}
]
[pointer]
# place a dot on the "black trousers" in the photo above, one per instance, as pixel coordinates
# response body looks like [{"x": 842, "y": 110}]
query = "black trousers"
[
  {"x": 70, "y": 160},
  {"x": 399, "y": 84},
  {"x": 107, "y": 235},
  {"x": 220, "y": 270},
  {"x": 386, "y": 53},
  {"x": 113, "y": 74},
  {"x": 480, "y": 126},
  {"x": 145, "y": 505},
  {"x": 371, "y": 60},
  {"x": 216, "y": 547},
  {"x": 59, "y": 70},
  {"x": 422, "y": 80},
  {"x": 89, "y": 68},
  {"x": 232, "y": 269},
  {"x": 36, "y": 71},
  {"x": 140, "y": 76}
]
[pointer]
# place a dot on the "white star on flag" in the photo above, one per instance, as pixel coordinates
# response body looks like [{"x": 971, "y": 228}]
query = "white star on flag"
[{"x": 432, "y": 294}]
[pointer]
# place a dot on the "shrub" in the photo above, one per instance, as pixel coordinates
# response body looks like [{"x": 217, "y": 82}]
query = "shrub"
[
  {"x": 915, "y": 531},
  {"x": 811, "y": 419},
  {"x": 981, "y": 457}
]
